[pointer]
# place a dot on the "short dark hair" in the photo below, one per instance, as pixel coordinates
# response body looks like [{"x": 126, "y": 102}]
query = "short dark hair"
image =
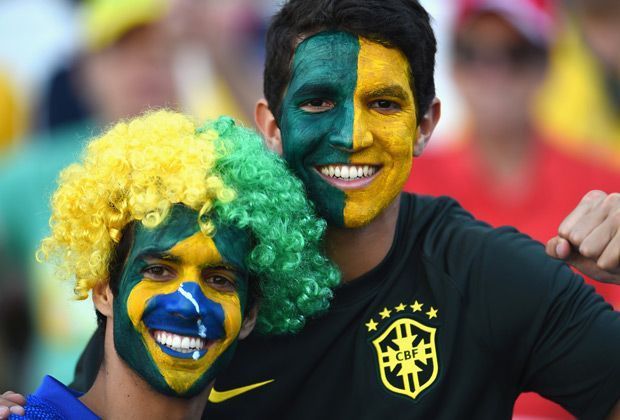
[
  {"x": 117, "y": 262},
  {"x": 402, "y": 24}
]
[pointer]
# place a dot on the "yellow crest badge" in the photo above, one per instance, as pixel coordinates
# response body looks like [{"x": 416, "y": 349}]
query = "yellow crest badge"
[{"x": 407, "y": 356}]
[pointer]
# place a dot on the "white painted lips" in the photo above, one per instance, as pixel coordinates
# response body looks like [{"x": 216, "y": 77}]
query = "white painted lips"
[
  {"x": 348, "y": 172},
  {"x": 179, "y": 343}
]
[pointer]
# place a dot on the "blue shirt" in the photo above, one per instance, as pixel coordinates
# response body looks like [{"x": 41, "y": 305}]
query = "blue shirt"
[{"x": 54, "y": 401}]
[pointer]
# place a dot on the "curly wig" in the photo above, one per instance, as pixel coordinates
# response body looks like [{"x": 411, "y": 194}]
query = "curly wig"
[{"x": 140, "y": 168}]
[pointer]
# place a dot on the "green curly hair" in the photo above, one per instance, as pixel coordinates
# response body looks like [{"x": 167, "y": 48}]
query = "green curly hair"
[{"x": 140, "y": 168}]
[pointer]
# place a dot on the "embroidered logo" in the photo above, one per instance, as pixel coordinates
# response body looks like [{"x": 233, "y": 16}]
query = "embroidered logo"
[
  {"x": 221, "y": 396},
  {"x": 406, "y": 352}
]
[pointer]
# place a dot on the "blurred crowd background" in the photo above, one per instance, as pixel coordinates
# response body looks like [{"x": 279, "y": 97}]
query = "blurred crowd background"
[{"x": 530, "y": 122}]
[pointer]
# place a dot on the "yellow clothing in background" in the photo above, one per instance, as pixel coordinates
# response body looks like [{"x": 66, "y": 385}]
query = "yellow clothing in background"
[
  {"x": 574, "y": 106},
  {"x": 12, "y": 115}
]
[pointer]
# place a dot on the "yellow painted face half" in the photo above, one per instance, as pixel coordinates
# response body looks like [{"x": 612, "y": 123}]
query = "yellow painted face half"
[
  {"x": 348, "y": 125},
  {"x": 384, "y": 130},
  {"x": 179, "y": 308}
]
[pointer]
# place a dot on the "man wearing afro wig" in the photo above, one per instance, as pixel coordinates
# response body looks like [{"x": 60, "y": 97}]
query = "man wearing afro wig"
[
  {"x": 179, "y": 233},
  {"x": 439, "y": 315}
]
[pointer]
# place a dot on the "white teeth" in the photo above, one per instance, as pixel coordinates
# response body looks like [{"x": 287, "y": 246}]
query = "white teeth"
[
  {"x": 182, "y": 344},
  {"x": 348, "y": 172},
  {"x": 185, "y": 343}
]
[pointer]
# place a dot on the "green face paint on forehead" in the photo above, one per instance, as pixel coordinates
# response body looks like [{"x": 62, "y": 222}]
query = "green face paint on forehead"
[
  {"x": 311, "y": 139},
  {"x": 229, "y": 247}
]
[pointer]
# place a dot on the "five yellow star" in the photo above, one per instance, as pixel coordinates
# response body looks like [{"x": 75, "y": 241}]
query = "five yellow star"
[
  {"x": 400, "y": 307},
  {"x": 372, "y": 325},
  {"x": 385, "y": 313},
  {"x": 417, "y": 306},
  {"x": 432, "y": 313}
]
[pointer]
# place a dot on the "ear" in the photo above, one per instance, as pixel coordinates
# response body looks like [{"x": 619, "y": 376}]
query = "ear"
[
  {"x": 266, "y": 123},
  {"x": 103, "y": 298},
  {"x": 427, "y": 125},
  {"x": 248, "y": 323}
]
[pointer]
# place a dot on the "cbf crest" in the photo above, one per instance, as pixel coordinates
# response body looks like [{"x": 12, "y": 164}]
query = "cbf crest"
[{"x": 406, "y": 351}]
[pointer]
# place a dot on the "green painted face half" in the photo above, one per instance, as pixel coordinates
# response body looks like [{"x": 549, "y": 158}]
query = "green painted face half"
[
  {"x": 311, "y": 138},
  {"x": 181, "y": 301},
  {"x": 348, "y": 125}
]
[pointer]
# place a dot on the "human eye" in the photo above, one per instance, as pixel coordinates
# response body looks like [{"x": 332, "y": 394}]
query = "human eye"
[
  {"x": 385, "y": 106},
  {"x": 317, "y": 105},
  {"x": 222, "y": 282},
  {"x": 158, "y": 272}
]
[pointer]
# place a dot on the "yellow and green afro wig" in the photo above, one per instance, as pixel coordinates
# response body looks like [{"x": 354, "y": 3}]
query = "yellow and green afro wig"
[{"x": 140, "y": 168}]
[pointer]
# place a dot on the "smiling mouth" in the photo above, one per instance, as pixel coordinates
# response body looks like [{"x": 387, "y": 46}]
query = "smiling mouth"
[
  {"x": 348, "y": 172},
  {"x": 180, "y": 343}
]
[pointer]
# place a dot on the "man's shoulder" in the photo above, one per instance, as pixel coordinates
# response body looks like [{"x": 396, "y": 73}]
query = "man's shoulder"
[
  {"x": 440, "y": 222},
  {"x": 458, "y": 244},
  {"x": 53, "y": 400}
]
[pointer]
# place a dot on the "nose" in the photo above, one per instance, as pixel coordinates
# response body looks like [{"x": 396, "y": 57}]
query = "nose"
[
  {"x": 186, "y": 311},
  {"x": 341, "y": 141},
  {"x": 192, "y": 304},
  {"x": 351, "y": 133},
  {"x": 362, "y": 134},
  {"x": 361, "y": 140},
  {"x": 341, "y": 136}
]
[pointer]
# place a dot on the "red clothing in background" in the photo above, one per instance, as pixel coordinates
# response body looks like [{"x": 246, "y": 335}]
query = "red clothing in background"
[{"x": 536, "y": 205}]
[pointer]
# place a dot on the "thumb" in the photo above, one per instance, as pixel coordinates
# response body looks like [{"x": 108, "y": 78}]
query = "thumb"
[
  {"x": 558, "y": 248},
  {"x": 561, "y": 249}
]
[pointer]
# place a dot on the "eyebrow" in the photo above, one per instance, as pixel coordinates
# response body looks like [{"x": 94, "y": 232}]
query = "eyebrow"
[
  {"x": 155, "y": 255},
  {"x": 394, "y": 91},
  {"x": 165, "y": 256},
  {"x": 320, "y": 89},
  {"x": 223, "y": 267}
]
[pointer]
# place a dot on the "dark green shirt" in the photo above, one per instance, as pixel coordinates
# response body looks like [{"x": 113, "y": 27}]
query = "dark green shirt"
[{"x": 456, "y": 321}]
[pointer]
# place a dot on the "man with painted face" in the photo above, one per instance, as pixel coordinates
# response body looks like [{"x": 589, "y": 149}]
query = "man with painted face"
[
  {"x": 177, "y": 232},
  {"x": 439, "y": 315}
]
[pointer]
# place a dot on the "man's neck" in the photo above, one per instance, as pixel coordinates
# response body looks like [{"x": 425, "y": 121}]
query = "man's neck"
[
  {"x": 357, "y": 251},
  {"x": 119, "y": 393}
]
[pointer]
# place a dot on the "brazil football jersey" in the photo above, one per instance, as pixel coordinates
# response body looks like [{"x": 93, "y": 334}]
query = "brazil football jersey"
[{"x": 455, "y": 322}]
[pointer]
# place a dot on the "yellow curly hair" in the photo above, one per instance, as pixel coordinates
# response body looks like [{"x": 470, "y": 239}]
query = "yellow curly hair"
[{"x": 135, "y": 171}]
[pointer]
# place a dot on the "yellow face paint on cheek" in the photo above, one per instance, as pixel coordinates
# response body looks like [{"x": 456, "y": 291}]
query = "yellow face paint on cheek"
[
  {"x": 219, "y": 320},
  {"x": 381, "y": 137}
]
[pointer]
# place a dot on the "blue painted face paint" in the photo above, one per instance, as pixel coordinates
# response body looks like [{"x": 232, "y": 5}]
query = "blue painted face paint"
[
  {"x": 180, "y": 302},
  {"x": 186, "y": 312}
]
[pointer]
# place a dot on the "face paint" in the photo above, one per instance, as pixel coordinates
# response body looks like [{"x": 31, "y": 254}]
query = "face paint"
[
  {"x": 348, "y": 125},
  {"x": 180, "y": 302}
]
